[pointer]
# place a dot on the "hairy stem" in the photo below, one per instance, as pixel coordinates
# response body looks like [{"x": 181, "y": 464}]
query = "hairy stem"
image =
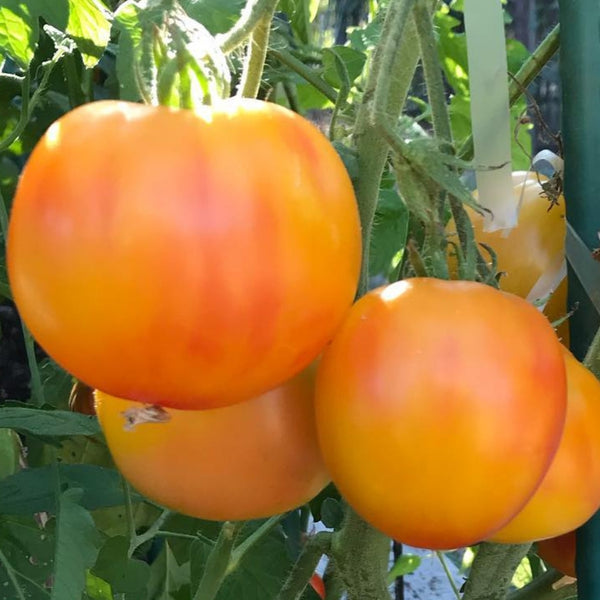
[
  {"x": 256, "y": 55},
  {"x": 240, "y": 551},
  {"x": 310, "y": 75},
  {"x": 305, "y": 566},
  {"x": 252, "y": 15},
  {"x": 362, "y": 556},
  {"x": 493, "y": 570},
  {"x": 372, "y": 151},
  {"x": 545, "y": 587},
  {"x": 217, "y": 564},
  {"x": 432, "y": 70}
]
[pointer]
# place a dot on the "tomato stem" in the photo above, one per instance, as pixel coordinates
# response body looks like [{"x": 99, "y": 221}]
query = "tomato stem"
[
  {"x": 493, "y": 570},
  {"x": 362, "y": 554},
  {"x": 307, "y": 73},
  {"x": 543, "y": 588},
  {"x": 256, "y": 54},
  {"x": 305, "y": 566},
  {"x": 372, "y": 151},
  {"x": 151, "y": 532},
  {"x": 440, "y": 556},
  {"x": 432, "y": 71},
  {"x": 253, "y": 13},
  {"x": 216, "y": 567},
  {"x": 240, "y": 551}
]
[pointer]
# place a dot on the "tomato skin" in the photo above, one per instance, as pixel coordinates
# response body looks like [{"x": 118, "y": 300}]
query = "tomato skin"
[
  {"x": 316, "y": 581},
  {"x": 535, "y": 248},
  {"x": 184, "y": 258},
  {"x": 559, "y": 552},
  {"x": 251, "y": 460},
  {"x": 429, "y": 399},
  {"x": 570, "y": 491}
]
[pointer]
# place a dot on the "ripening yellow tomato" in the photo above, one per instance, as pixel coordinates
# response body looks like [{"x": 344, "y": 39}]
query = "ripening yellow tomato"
[
  {"x": 532, "y": 254},
  {"x": 193, "y": 259},
  {"x": 570, "y": 491},
  {"x": 440, "y": 405},
  {"x": 254, "y": 459}
]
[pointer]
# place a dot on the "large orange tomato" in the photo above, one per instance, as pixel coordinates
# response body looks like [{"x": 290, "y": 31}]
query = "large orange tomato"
[
  {"x": 440, "y": 405},
  {"x": 254, "y": 459},
  {"x": 570, "y": 492},
  {"x": 560, "y": 552},
  {"x": 532, "y": 254},
  {"x": 189, "y": 259}
]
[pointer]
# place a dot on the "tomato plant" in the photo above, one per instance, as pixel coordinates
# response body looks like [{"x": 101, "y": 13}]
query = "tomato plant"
[
  {"x": 196, "y": 275},
  {"x": 255, "y": 459},
  {"x": 570, "y": 491},
  {"x": 426, "y": 374}
]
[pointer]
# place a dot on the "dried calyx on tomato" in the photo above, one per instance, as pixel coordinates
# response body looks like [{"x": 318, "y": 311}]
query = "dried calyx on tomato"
[{"x": 254, "y": 459}]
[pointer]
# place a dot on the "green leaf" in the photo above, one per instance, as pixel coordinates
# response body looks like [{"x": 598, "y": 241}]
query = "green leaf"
[
  {"x": 332, "y": 513},
  {"x": 216, "y": 15},
  {"x": 406, "y": 563},
  {"x": 89, "y": 25},
  {"x": 124, "y": 575},
  {"x": 77, "y": 545},
  {"x": 352, "y": 59},
  {"x": 169, "y": 580},
  {"x": 390, "y": 229},
  {"x": 260, "y": 574},
  {"x": 299, "y": 15},
  {"x": 32, "y": 490},
  {"x": 96, "y": 588},
  {"x": 48, "y": 422},
  {"x": 29, "y": 548},
  {"x": 10, "y": 450},
  {"x": 19, "y": 31}
]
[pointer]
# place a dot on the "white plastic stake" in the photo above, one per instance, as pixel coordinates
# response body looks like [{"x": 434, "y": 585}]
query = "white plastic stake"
[{"x": 490, "y": 112}]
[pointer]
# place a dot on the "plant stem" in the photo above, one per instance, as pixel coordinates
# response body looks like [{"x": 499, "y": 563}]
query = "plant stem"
[
  {"x": 372, "y": 151},
  {"x": 442, "y": 560},
  {"x": 398, "y": 15},
  {"x": 289, "y": 60},
  {"x": 493, "y": 570},
  {"x": 251, "y": 16},
  {"x": 592, "y": 357},
  {"x": 151, "y": 532},
  {"x": 256, "y": 54},
  {"x": 432, "y": 71},
  {"x": 11, "y": 575},
  {"x": 305, "y": 566},
  {"x": 240, "y": 551},
  {"x": 28, "y": 104},
  {"x": 129, "y": 516},
  {"x": 525, "y": 75},
  {"x": 362, "y": 555},
  {"x": 217, "y": 564},
  {"x": 543, "y": 588},
  {"x": 37, "y": 389}
]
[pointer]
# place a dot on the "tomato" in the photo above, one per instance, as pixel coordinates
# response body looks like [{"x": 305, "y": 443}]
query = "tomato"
[
  {"x": 250, "y": 460},
  {"x": 559, "y": 552},
  {"x": 189, "y": 259},
  {"x": 316, "y": 581},
  {"x": 570, "y": 492},
  {"x": 431, "y": 400},
  {"x": 531, "y": 255}
]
